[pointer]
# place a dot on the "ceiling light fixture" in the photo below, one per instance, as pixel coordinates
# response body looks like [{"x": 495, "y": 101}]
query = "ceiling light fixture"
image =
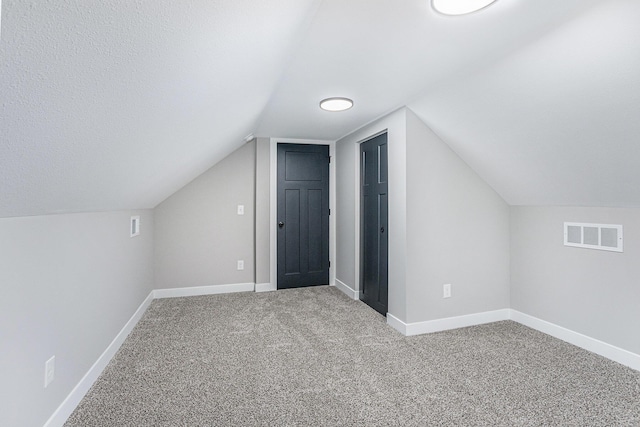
[
  {"x": 336, "y": 104},
  {"x": 459, "y": 7}
]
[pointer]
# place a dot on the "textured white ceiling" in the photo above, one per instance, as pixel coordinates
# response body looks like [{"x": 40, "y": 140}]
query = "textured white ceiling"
[{"x": 115, "y": 104}]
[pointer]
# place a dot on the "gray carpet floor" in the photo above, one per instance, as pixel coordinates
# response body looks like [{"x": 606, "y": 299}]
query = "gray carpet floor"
[{"x": 313, "y": 357}]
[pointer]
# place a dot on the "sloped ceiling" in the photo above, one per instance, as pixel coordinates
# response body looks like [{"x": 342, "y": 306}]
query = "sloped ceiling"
[
  {"x": 557, "y": 122},
  {"x": 115, "y": 104}
]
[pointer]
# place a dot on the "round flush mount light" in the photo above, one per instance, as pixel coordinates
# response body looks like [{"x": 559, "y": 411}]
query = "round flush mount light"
[
  {"x": 336, "y": 104},
  {"x": 459, "y": 7}
]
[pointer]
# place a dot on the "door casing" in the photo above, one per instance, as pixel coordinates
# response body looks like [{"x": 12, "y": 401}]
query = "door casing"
[{"x": 273, "y": 227}]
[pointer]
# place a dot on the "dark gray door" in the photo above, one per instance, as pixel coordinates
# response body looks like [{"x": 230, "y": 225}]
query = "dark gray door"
[
  {"x": 374, "y": 223},
  {"x": 303, "y": 215}
]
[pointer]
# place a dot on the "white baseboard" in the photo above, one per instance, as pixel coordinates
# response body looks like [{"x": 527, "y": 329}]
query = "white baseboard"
[
  {"x": 445, "y": 324},
  {"x": 203, "y": 290},
  {"x": 604, "y": 349},
  {"x": 351, "y": 293},
  {"x": 609, "y": 351},
  {"x": 63, "y": 412},
  {"x": 67, "y": 407},
  {"x": 266, "y": 287},
  {"x": 396, "y": 324}
]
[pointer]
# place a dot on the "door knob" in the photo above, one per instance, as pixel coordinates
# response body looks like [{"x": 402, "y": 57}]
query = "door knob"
[
  {"x": 382, "y": 229},
  {"x": 281, "y": 224}
]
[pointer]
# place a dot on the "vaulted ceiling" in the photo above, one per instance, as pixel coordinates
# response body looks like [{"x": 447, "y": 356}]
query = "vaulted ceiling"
[{"x": 116, "y": 104}]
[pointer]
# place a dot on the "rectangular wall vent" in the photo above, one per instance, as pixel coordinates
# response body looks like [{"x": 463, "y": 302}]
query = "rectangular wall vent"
[
  {"x": 135, "y": 226},
  {"x": 605, "y": 237}
]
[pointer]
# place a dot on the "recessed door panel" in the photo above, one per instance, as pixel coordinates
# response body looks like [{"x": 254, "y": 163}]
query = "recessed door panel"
[
  {"x": 316, "y": 254},
  {"x": 383, "y": 245},
  {"x": 292, "y": 231},
  {"x": 382, "y": 163}
]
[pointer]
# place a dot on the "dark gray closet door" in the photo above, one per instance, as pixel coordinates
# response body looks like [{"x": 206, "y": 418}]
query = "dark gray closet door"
[
  {"x": 374, "y": 224},
  {"x": 303, "y": 215}
]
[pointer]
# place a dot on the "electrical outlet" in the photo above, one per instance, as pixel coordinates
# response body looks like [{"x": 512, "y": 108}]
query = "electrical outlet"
[
  {"x": 49, "y": 371},
  {"x": 240, "y": 209},
  {"x": 446, "y": 290},
  {"x": 240, "y": 264}
]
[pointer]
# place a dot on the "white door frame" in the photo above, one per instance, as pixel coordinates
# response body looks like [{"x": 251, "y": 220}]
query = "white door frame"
[{"x": 273, "y": 202}]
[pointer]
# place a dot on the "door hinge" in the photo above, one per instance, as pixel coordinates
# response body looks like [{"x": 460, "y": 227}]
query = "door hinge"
[
  {"x": 329, "y": 263},
  {"x": 329, "y": 211}
]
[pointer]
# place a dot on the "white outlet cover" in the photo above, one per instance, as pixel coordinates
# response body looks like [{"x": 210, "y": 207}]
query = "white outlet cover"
[
  {"x": 49, "y": 371},
  {"x": 240, "y": 209},
  {"x": 240, "y": 264},
  {"x": 446, "y": 290}
]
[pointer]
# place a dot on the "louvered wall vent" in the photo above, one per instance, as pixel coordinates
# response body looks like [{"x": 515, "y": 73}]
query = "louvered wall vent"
[{"x": 605, "y": 237}]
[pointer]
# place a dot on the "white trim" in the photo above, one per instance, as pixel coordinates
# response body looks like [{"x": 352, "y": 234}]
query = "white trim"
[
  {"x": 351, "y": 293},
  {"x": 585, "y": 342},
  {"x": 356, "y": 220},
  {"x": 203, "y": 290},
  {"x": 609, "y": 351},
  {"x": 69, "y": 404},
  {"x": 358, "y": 173},
  {"x": 396, "y": 324},
  {"x": 273, "y": 211},
  {"x": 266, "y": 287},
  {"x": 273, "y": 179},
  {"x": 624, "y": 357},
  {"x": 447, "y": 323}
]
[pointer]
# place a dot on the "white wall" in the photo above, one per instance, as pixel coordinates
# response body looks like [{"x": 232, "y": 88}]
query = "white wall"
[
  {"x": 348, "y": 207},
  {"x": 199, "y": 236},
  {"x": 68, "y": 284},
  {"x": 446, "y": 225},
  {"x": 457, "y": 232},
  {"x": 346, "y": 268},
  {"x": 595, "y": 293}
]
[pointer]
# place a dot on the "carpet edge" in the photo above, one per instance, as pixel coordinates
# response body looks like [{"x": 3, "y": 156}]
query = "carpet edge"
[
  {"x": 69, "y": 404},
  {"x": 609, "y": 351}
]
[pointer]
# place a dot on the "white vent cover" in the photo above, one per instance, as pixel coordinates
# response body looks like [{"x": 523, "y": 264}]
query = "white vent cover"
[
  {"x": 135, "y": 226},
  {"x": 605, "y": 237}
]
